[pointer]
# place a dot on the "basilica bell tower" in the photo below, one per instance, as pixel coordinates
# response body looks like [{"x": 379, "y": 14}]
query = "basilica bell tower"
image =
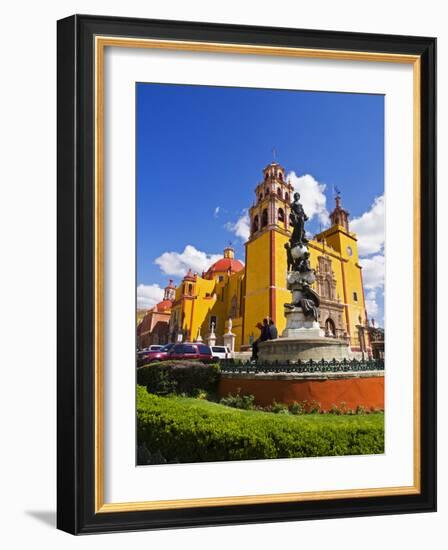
[{"x": 265, "y": 251}]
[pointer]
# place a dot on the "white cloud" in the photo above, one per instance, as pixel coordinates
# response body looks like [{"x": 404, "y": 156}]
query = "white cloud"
[
  {"x": 241, "y": 227},
  {"x": 148, "y": 296},
  {"x": 373, "y": 272},
  {"x": 371, "y": 304},
  {"x": 312, "y": 196},
  {"x": 216, "y": 211},
  {"x": 373, "y": 279},
  {"x": 370, "y": 228},
  {"x": 178, "y": 263}
]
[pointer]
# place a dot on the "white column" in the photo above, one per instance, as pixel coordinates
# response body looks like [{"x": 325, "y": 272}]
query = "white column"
[{"x": 229, "y": 341}]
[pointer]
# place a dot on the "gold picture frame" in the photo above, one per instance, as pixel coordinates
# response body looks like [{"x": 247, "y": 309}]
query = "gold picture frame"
[{"x": 102, "y": 33}]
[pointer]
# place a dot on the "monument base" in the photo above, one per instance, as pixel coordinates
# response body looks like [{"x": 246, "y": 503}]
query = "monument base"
[
  {"x": 302, "y": 340},
  {"x": 300, "y": 349},
  {"x": 300, "y": 327}
]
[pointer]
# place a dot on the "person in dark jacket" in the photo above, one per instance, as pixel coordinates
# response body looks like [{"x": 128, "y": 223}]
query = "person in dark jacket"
[
  {"x": 255, "y": 344},
  {"x": 264, "y": 335},
  {"x": 273, "y": 332}
]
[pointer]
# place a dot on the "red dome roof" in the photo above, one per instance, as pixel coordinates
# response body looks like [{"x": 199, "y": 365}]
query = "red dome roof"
[
  {"x": 226, "y": 264},
  {"x": 163, "y": 305}
]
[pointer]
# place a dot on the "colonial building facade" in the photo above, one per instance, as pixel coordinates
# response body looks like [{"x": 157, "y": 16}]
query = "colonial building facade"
[
  {"x": 154, "y": 327},
  {"x": 247, "y": 293}
]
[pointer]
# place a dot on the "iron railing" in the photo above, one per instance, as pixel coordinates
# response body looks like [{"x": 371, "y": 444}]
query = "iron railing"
[{"x": 311, "y": 366}]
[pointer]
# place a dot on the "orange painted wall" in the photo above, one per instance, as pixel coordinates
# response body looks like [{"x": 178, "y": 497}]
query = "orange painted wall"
[{"x": 354, "y": 392}]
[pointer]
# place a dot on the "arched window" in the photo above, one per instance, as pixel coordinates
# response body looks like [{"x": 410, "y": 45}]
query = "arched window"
[
  {"x": 330, "y": 328},
  {"x": 280, "y": 176},
  {"x": 260, "y": 197},
  {"x": 264, "y": 218},
  {"x": 279, "y": 192},
  {"x": 281, "y": 215},
  {"x": 255, "y": 225},
  {"x": 286, "y": 197},
  {"x": 266, "y": 192}
]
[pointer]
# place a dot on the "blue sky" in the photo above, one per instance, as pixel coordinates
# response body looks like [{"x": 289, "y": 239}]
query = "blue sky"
[{"x": 200, "y": 153}]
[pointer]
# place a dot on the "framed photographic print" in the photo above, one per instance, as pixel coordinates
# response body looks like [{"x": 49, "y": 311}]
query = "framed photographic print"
[{"x": 246, "y": 266}]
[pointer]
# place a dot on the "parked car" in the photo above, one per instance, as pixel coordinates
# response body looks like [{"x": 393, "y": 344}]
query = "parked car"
[
  {"x": 190, "y": 350},
  {"x": 153, "y": 347},
  {"x": 221, "y": 352},
  {"x": 149, "y": 356}
]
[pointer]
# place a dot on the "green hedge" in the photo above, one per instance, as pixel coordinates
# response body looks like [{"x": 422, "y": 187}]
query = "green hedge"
[
  {"x": 194, "y": 430},
  {"x": 188, "y": 377}
]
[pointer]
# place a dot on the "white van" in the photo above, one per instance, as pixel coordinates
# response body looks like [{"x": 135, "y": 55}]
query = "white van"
[{"x": 221, "y": 352}]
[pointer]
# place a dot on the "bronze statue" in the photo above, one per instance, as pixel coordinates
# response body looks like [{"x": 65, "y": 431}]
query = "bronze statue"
[
  {"x": 300, "y": 263},
  {"x": 300, "y": 273},
  {"x": 303, "y": 264},
  {"x": 289, "y": 258},
  {"x": 310, "y": 303},
  {"x": 297, "y": 219}
]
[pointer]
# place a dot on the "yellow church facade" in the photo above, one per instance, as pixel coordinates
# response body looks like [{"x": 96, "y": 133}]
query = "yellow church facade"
[{"x": 247, "y": 293}]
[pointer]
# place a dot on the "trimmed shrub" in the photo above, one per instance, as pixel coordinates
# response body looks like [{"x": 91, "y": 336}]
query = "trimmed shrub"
[
  {"x": 194, "y": 430},
  {"x": 238, "y": 401},
  {"x": 297, "y": 408},
  {"x": 278, "y": 408},
  {"x": 186, "y": 377}
]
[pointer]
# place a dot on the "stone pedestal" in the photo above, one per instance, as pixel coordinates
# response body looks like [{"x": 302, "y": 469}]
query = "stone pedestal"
[
  {"x": 300, "y": 327},
  {"x": 229, "y": 341},
  {"x": 302, "y": 340},
  {"x": 303, "y": 349},
  {"x": 211, "y": 339}
]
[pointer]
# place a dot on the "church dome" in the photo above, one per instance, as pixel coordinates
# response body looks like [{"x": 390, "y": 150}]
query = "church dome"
[{"x": 225, "y": 264}]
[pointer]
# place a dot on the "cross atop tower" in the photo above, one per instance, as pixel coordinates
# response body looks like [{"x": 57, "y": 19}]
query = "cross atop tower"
[{"x": 339, "y": 216}]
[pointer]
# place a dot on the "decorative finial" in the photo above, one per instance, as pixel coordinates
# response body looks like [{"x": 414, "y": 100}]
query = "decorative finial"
[
  {"x": 274, "y": 154},
  {"x": 229, "y": 325}
]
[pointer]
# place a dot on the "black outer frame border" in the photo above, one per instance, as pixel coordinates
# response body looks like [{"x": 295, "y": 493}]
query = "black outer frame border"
[{"x": 75, "y": 297}]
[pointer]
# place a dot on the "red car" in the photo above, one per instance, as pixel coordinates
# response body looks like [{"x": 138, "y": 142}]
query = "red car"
[
  {"x": 156, "y": 355},
  {"x": 190, "y": 350}
]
